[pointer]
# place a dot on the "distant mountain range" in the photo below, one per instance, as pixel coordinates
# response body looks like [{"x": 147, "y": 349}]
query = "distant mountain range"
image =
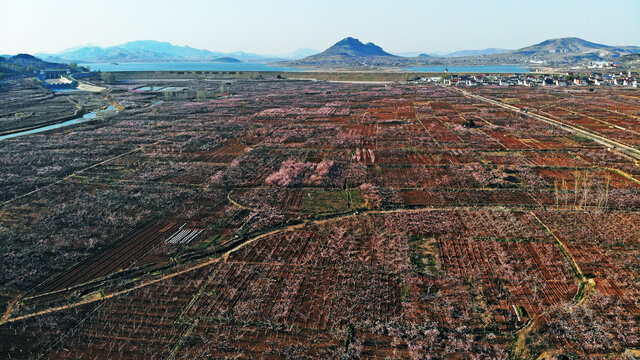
[
  {"x": 572, "y": 46},
  {"x": 144, "y": 50},
  {"x": 25, "y": 64},
  {"x": 351, "y": 52},
  {"x": 156, "y": 51},
  {"x": 488, "y": 51},
  {"x": 558, "y": 52}
]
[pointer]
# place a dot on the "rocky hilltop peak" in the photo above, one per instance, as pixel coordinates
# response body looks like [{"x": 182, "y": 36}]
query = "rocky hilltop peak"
[
  {"x": 352, "y": 52},
  {"x": 353, "y": 47}
]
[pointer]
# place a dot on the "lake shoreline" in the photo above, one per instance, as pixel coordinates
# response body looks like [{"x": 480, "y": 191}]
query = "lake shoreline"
[{"x": 260, "y": 67}]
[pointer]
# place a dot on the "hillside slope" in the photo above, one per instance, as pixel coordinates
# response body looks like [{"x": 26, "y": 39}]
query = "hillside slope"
[
  {"x": 25, "y": 64},
  {"x": 350, "y": 52}
]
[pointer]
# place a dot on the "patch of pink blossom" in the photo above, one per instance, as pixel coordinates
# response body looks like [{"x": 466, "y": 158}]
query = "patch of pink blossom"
[
  {"x": 295, "y": 173},
  {"x": 371, "y": 194}
]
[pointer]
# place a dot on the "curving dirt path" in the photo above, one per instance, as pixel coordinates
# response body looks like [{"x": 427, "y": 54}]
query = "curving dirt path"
[{"x": 213, "y": 259}]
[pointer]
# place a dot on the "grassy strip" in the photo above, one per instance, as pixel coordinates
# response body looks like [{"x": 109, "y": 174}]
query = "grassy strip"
[{"x": 563, "y": 248}]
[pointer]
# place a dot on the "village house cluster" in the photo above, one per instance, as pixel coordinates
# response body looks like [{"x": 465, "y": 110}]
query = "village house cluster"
[{"x": 569, "y": 79}]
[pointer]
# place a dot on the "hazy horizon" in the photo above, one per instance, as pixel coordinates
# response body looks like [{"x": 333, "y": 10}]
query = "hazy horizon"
[{"x": 255, "y": 27}]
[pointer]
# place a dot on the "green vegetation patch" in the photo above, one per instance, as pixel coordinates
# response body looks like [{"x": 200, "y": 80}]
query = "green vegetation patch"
[
  {"x": 522, "y": 311},
  {"x": 580, "y": 293},
  {"x": 423, "y": 255},
  {"x": 321, "y": 201},
  {"x": 357, "y": 200},
  {"x": 214, "y": 239},
  {"x": 581, "y": 139},
  {"x": 404, "y": 292}
]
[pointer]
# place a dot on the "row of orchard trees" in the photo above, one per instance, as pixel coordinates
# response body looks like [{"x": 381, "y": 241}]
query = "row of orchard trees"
[{"x": 584, "y": 192}]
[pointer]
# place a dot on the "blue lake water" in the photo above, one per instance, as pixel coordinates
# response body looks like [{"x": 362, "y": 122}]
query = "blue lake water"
[
  {"x": 216, "y": 66},
  {"x": 186, "y": 66},
  {"x": 159, "y": 88},
  {"x": 471, "y": 69},
  {"x": 85, "y": 117}
]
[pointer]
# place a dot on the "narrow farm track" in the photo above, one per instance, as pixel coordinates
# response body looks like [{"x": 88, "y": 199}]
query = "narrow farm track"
[
  {"x": 198, "y": 263},
  {"x": 624, "y": 174},
  {"x": 535, "y": 204},
  {"x": 563, "y": 248},
  {"x": 243, "y": 207},
  {"x": 182, "y": 340},
  {"x": 114, "y": 294},
  {"x": 77, "y": 173},
  {"x": 519, "y": 345},
  {"x": 623, "y": 148}
]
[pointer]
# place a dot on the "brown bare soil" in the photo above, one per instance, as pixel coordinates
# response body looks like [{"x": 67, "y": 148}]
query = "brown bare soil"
[{"x": 299, "y": 219}]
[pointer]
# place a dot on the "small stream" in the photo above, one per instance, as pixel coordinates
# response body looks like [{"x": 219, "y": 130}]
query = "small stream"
[{"x": 86, "y": 117}]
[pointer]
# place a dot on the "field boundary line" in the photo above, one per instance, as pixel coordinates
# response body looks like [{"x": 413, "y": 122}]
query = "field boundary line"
[
  {"x": 182, "y": 340},
  {"x": 225, "y": 255},
  {"x": 77, "y": 172},
  {"x": 596, "y": 119},
  {"x": 622, "y": 173},
  {"x": 238, "y": 204},
  {"x": 629, "y": 150},
  {"x": 114, "y": 294},
  {"x": 563, "y": 248},
  {"x": 7, "y": 312}
]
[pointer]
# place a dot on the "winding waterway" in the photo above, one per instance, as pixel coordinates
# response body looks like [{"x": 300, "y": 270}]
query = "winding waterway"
[{"x": 84, "y": 118}]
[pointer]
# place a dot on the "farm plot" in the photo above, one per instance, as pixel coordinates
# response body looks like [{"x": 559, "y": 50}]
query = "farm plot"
[
  {"x": 141, "y": 324},
  {"x": 607, "y": 255},
  {"x": 511, "y": 198},
  {"x": 219, "y": 339},
  {"x": 32, "y": 337},
  {"x": 301, "y": 202},
  {"x": 315, "y": 279},
  {"x": 519, "y": 279},
  {"x": 298, "y": 295},
  {"x": 601, "y": 111},
  {"x": 560, "y": 159},
  {"x": 223, "y": 154},
  {"x": 418, "y": 176},
  {"x": 406, "y": 157},
  {"x": 592, "y": 235},
  {"x": 371, "y": 224},
  {"x": 120, "y": 255},
  {"x": 580, "y": 178},
  {"x": 28, "y": 105}
]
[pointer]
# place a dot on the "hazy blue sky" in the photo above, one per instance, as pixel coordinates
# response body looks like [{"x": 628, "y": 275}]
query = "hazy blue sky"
[{"x": 274, "y": 26}]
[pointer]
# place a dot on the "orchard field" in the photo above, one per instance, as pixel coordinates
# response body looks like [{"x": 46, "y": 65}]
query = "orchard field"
[{"x": 312, "y": 219}]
